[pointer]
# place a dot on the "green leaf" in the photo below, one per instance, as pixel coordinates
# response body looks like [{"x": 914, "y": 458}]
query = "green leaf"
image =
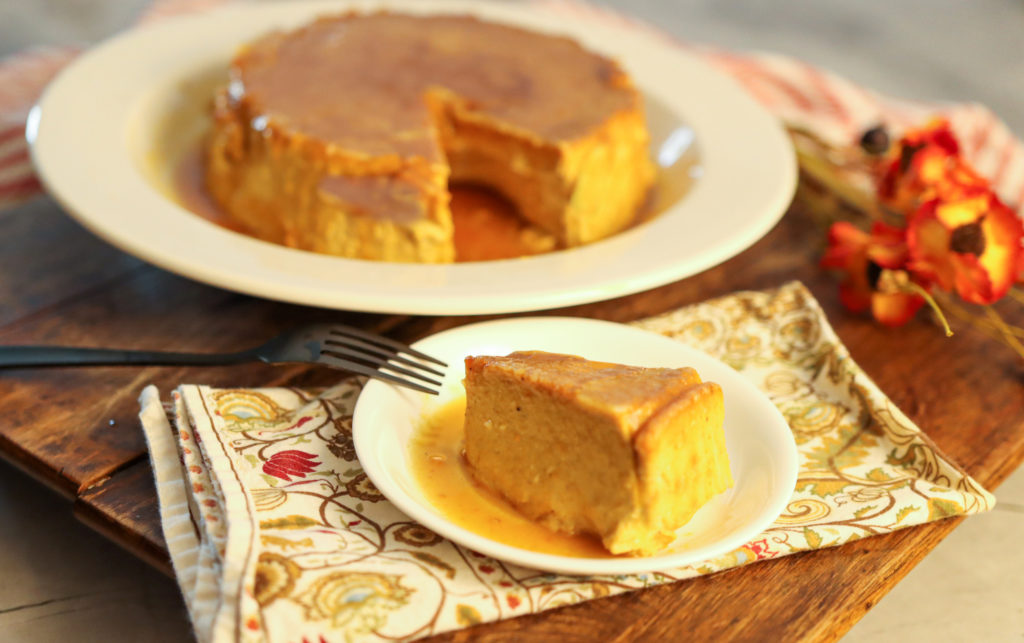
[
  {"x": 823, "y": 488},
  {"x": 878, "y": 475},
  {"x": 466, "y": 615},
  {"x": 895, "y": 459},
  {"x": 434, "y": 561},
  {"x": 813, "y": 539},
  {"x": 863, "y": 510},
  {"x": 941, "y": 508},
  {"x": 252, "y": 460},
  {"x": 294, "y": 521},
  {"x": 904, "y": 512}
]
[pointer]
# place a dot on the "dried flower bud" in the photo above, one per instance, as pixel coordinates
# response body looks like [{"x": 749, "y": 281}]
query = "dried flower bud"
[{"x": 875, "y": 141}]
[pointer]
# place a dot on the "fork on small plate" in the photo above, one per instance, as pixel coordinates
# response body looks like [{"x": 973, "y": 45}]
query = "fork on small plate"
[{"x": 333, "y": 345}]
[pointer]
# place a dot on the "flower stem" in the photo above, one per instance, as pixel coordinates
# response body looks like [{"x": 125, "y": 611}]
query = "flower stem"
[
  {"x": 1004, "y": 329},
  {"x": 924, "y": 294},
  {"x": 990, "y": 328}
]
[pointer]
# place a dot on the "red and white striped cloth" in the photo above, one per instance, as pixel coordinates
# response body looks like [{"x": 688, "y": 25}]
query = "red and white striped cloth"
[
  {"x": 22, "y": 79},
  {"x": 798, "y": 93},
  {"x": 839, "y": 110}
]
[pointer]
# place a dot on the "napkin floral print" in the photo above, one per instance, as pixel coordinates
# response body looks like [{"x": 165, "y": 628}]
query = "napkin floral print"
[{"x": 298, "y": 545}]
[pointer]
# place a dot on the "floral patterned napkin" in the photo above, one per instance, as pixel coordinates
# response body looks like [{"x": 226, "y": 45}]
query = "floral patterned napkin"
[{"x": 276, "y": 534}]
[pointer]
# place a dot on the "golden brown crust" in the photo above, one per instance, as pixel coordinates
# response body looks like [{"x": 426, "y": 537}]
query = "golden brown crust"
[{"x": 681, "y": 460}]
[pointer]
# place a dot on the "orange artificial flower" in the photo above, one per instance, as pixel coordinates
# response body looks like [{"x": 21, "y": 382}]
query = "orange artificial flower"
[
  {"x": 967, "y": 240},
  {"x": 875, "y": 271},
  {"x": 922, "y": 165}
]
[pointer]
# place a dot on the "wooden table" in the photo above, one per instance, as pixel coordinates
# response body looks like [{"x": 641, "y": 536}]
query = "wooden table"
[{"x": 76, "y": 429}]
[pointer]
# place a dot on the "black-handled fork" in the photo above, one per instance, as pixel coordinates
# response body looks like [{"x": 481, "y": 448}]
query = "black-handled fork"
[{"x": 331, "y": 345}]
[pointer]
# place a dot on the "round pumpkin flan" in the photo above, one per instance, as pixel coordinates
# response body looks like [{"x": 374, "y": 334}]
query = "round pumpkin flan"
[{"x": 342, "y": 136}]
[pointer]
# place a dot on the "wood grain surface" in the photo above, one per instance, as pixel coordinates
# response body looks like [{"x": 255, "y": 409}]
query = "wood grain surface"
[{"x": 76, "y": 429}]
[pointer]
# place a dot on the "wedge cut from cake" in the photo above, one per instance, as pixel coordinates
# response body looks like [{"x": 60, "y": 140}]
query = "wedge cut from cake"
[
  {"x": 625, "y": 453},
  {"x": 342, "y": 136}
]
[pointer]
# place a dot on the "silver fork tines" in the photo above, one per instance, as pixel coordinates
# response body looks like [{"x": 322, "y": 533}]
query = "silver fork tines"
[
  {"x": 345, "y": 331},
  {"x": 370, "y": 371},
  {"x": 375, "y": 361},
  {"x": 376, "y": 356},
  {"x": 380, "y": 352}
]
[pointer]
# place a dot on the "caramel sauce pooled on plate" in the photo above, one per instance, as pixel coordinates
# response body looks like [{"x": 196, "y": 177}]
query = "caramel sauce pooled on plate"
[
  {"x": 190, "y": 190},
  {"x": 435, "y": 454}
]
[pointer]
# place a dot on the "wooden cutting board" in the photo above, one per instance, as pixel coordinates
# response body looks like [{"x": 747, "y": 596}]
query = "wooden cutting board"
[{"x": 76, "y": 429}]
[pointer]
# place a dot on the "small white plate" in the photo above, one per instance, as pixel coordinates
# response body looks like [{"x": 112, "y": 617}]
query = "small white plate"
[
  {"x": 109, "y": 130},
  {"x": 761, "y": 449}
]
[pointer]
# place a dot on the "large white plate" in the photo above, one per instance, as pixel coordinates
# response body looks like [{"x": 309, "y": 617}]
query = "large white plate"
[
  {"x": 106, "y": 130},
  {"x": 761, "y": 449}
]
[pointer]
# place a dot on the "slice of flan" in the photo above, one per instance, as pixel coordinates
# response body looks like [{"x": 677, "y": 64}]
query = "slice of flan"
[
  {"x": 342, "y": 136},
  {"x": 625, "y": 453}
]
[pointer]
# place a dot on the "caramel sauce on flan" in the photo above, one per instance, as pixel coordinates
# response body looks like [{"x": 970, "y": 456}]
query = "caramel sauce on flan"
[{"x": 359, "y": 81}]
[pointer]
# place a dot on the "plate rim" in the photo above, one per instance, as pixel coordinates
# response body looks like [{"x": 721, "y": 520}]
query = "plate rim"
[
  {"x": 786, "y": 474},
  {"x": 267, "y": 270}
]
